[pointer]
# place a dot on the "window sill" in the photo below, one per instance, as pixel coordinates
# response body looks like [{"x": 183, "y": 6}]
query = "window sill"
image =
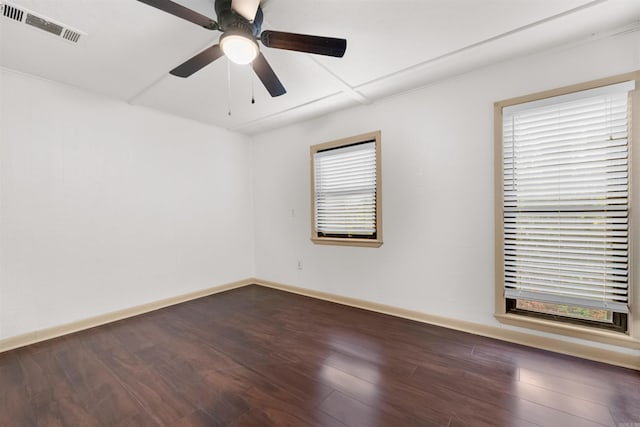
[
  {"x": 575, "y": 331},
  {"x": 368, "y": 243}
]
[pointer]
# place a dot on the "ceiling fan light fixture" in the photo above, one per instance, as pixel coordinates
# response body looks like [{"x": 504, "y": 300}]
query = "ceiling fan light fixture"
[{"x": 239, "y": 48}]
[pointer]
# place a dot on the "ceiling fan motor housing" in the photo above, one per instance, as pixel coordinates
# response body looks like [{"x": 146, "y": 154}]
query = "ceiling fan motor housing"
[
  {"x": 229, "y": 20},
  {"x": 239, "y": 41}
]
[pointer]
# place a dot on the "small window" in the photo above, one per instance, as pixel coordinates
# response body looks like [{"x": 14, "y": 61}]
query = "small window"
[
  {"x": 346, "y": 193},
  {"x": 565, "y": 206}
]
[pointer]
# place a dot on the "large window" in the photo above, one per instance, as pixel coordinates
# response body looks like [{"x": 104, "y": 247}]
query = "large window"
[
  {"x": 564, "y": 243},
  {"x": 345, "y": 191}
]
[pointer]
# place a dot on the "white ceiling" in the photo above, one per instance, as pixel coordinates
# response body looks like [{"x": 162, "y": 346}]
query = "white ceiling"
[{"x": 129, "y": 49}]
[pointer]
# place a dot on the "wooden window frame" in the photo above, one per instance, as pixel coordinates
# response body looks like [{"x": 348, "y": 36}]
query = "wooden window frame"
[
  {"x": 619, "y": 321},
  {"x": 547, "y": 323},
  {"x": 349, "y": 241}
]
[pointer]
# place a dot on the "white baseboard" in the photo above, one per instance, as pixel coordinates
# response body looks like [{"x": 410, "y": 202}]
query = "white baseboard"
[
  {"x": 552, "y": 344},
  {"x": 69, "y": 328},
  {"x": 504, "y": 334}
]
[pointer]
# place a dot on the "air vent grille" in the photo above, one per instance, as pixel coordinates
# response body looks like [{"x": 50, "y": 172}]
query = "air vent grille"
[
  {"x": 34, "y": 20},
  {"x": 12, "y": 12},
  {"x": 71, "y": 35}
]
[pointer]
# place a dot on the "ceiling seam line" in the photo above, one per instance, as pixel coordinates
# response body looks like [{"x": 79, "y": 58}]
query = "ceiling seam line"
[
  {"x": 270, "y": 116},
  {"x": 483, "y": 42},
  {"x": 132, "y": 99},
  {"x": 347, "y": 88}
]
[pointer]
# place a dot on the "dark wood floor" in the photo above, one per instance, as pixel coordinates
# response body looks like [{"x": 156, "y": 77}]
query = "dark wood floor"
[{"x": 260, "y": 357}]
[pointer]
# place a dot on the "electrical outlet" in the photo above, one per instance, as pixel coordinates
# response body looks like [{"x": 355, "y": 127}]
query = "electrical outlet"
[{"x": 299, "y": 264}]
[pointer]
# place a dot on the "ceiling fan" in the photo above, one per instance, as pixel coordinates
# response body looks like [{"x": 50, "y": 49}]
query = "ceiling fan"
[{"x": 241, "y": 24}]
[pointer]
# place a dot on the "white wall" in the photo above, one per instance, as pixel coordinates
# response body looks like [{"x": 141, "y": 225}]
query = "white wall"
[
  {"x": 437, "y": 174},
  {"x": 105, "y": 206}
]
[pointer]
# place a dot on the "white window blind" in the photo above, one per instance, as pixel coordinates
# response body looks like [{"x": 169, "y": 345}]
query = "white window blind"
[
  {"x": 565, "y": 188},
  {"x": 345, "y": 191}
]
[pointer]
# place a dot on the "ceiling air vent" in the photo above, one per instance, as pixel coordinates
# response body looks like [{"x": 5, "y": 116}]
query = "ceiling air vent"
[
  {"x": 43, "y": 24},
  {"x": 12, "y": 12},
  {"x": 27, "y": 17},
  {"x": 72, "y": 36}
]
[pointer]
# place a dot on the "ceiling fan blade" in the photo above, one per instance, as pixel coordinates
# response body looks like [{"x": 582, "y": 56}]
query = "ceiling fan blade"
[
  {"x": 267, "y": 76},
  {"x": 182, "y": 12},
  {"x": 328, "y": 46},
  {"x": 199, "y": 61},
  {"x": 246, "y": 8}
]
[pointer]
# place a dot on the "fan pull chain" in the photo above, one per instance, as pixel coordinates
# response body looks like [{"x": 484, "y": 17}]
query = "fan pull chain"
[
  {"x": 229, "y": 87},
  {"x": 253, "y": 98}
]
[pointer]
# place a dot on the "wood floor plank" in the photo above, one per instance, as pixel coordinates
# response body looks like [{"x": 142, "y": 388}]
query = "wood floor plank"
[
  {"x": 391, "y": 395},
  {"x": 113, "y": 404},
  {"x": 355, "y": 413},
  {"x": 564, "y": 403},
  {"x": 564, "y": 366},
  {"x": 255, "y": 356},
  {"x": 216, "y": 393},
  {"x": 624, "y": 406},
  {"x": 425, "y": 399},
  {"x": 11, "y": 375},
  {"x": 15, "y": 406},
  {"x": 198, "y": 418},
  {"x": 511, "y": 395},
  {"x": 276, "y": 406}
]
